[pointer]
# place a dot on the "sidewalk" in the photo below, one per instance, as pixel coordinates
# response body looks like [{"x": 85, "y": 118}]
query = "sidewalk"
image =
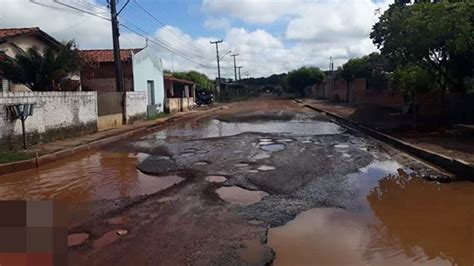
[
  {"x": 52, "y": 151},
  {"x": 448, "y": 142}
]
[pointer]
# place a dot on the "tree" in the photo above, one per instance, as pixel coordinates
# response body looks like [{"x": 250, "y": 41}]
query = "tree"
[
  {"x": 299, "y": 79},
  {"x": 411, "y": 80},
  {"x": 437, "y": 36},
  {"x": 42, "y": 71},
  {"x": 201, "y": 80}
]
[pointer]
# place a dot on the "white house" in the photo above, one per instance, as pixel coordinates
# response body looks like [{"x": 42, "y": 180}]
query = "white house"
[{"x": 148, "y": 77}]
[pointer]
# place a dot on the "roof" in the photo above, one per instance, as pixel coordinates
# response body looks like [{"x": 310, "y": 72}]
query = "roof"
[
  {"x": 15, "y": 32},
  {"x": 184, "y": 81},
  {"x": 107, "y": 55}
]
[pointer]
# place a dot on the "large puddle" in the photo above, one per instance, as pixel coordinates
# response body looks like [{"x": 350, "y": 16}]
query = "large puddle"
[
  {"x": 396, "y": 220},
  {"x": 84, "y": 177},
  {"x": 215, "y": 128}
]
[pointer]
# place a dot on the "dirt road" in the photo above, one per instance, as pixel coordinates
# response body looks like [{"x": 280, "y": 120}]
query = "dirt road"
[{"x": 257, "y": 182}]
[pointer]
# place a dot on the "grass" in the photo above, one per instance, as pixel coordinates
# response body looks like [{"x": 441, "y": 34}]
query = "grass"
[
  {"x": 14, "y": 156},
  {"x": 157, "y": 116}
]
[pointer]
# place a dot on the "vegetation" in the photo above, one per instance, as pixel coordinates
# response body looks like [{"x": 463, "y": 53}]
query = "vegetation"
[
  {"x": 14, "y": 156},
  {"x": 157, "y": 116},
  {"x": 201, "y": 80},
  {"x": 437, "y": 37},
  {"x": 42, "y": 71},
  {"x": 411, "y": 80},
  {"x": 299, "y": 79}
]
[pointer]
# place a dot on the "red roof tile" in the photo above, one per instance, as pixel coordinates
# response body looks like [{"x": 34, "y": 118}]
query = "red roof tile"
[
  {"x": 17, "y": 31},
  {"x": 107, "y": 55}
]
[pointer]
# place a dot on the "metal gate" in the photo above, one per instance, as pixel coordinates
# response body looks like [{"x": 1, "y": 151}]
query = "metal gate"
[{"x": 109, "y": 109}]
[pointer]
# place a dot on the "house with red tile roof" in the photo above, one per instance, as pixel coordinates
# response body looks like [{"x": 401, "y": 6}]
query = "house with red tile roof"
[
  {"x": 13, "y": 40},
  {"x": 142, "y": 70}
]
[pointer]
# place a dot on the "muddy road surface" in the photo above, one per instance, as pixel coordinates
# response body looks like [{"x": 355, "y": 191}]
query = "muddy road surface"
[{"x": 255, "y": 183}]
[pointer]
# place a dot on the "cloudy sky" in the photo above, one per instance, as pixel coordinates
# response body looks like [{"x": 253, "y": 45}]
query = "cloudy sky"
[{"x": 270, "y": 36}]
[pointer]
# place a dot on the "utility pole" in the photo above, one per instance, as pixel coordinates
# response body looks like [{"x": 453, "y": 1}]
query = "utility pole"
[
  {"x": 218, "y": 90},
  {"x": 239, "y": 68},
  {"x": 116, "y": 44},
  {"x": 235, "y": 66}
]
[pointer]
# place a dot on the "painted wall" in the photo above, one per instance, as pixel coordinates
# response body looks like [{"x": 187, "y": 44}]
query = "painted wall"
[
  {"x": 148, "y": 66},
  {"x": 56, "y": 115},
  {"x": 135, "y": 105}
]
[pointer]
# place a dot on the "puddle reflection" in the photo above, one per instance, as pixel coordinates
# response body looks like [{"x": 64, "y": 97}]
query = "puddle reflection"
[
  {"x": 397, "y": 219},
  {"x": 84, "y": 177}
]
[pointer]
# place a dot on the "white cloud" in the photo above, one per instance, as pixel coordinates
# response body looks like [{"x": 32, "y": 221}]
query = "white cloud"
[
  {"x": 64, "y": 23},
  {"x": 252, "y": 11},
  {"x": 310, "y": 31},
  {"x": 217, "y": 23}
]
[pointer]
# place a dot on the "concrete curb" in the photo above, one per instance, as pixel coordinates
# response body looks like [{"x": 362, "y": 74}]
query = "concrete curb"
[
  {"x": 459, "y": 168},
  {"x": 9, "y": 168}
]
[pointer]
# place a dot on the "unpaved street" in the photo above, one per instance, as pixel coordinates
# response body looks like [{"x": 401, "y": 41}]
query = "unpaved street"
[{"x": 256, "y": 182}]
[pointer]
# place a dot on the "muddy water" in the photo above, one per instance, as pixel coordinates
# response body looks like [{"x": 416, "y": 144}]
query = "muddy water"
[
  {"x": 240, "y": 196},
  {"x": 85, "y": 177},
  {"x": 215, "y": 128},
  {"x": 397, "y": 219}
]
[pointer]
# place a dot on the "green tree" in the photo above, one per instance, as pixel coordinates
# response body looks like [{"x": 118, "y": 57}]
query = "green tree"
[
  {"x": 41, "y": 71},
  {"x": 412, "y": 80},
  {"x": 299, "y": 79},
  {"x": 201, "y": 80},
  {"x": 437, "y": 36}
]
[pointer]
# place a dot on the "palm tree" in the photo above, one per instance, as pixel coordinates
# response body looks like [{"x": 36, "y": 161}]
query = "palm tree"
[{"x": 41, "y": 71}]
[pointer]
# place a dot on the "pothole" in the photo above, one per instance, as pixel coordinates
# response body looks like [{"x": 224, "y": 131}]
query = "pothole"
[
  {"x": 341, "y": 146},
  {"x": 266, "y": 168},
  {"x": 117, "y": 220},
  {"x": 109, "y": 237},
  {"x": 242, "y": 164},
  {"x": 261, "y": 155},
  {"x": 76, "y": 239},
  {"x": 240, "y": 196},
  {"x": 285, "y": 140},
  {"x": 216, "y": 179},
  {"x": 273, "y": 147},
  {"x": 201, "y": 163}
]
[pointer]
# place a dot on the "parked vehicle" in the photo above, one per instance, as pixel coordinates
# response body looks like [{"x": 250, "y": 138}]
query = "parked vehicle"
[{"x": 204, "y": 98}]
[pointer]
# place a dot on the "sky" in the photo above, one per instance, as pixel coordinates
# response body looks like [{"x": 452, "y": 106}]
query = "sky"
[{"x": 270, "y": 36}]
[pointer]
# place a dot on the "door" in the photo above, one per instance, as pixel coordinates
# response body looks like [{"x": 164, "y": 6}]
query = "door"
[{"x": 151, "y": 92}]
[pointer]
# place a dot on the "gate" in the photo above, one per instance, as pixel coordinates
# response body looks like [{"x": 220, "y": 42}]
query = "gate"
[{"x": 109, "y": 109}]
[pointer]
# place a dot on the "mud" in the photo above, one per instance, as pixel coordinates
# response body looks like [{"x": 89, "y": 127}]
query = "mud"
[
  {"x": 322, "y": 167},
  {"x": 94, "y": 175}
]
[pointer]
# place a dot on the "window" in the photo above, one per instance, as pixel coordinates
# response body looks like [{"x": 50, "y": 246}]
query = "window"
[
  {"x": 151, "y": 92},
  {"x": 4, "y": 85}
]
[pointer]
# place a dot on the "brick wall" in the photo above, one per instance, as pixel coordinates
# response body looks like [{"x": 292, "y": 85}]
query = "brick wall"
[
  {"x": 56, "y": 115},
  {"x": 135, "y": 105}
]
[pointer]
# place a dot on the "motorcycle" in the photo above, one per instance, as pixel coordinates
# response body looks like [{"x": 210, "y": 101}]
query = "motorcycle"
[{"x": 203, "y": 98}]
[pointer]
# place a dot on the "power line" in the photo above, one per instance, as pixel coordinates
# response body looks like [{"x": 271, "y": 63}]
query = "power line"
[
  {"x": 165, "y": 27},
  {"x": 156, "y": 42}
]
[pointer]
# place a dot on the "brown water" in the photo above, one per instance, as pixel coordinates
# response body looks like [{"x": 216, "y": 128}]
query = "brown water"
[
  {"x": 240, "y": 196},
  {"x": 84, "y": 177},
  {"x": 397, "y": 220}
]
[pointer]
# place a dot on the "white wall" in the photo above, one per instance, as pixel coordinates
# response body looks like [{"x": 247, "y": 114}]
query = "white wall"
[
  {"x": 135, "y": 105},
  {"x": 53, "y": 112},
  {"x": 148, "y": 66}
]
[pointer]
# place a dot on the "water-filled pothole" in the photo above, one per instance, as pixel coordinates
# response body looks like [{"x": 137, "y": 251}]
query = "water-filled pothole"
[
  {"x": 76, "y": 239},
  {"x": 201, "y": 163},
  {"x": 273, "y": 147},
  {"x": 240, "y": 196},
  {"x": 216, "y": 179},
  {"x": 266, "y": 168}
]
